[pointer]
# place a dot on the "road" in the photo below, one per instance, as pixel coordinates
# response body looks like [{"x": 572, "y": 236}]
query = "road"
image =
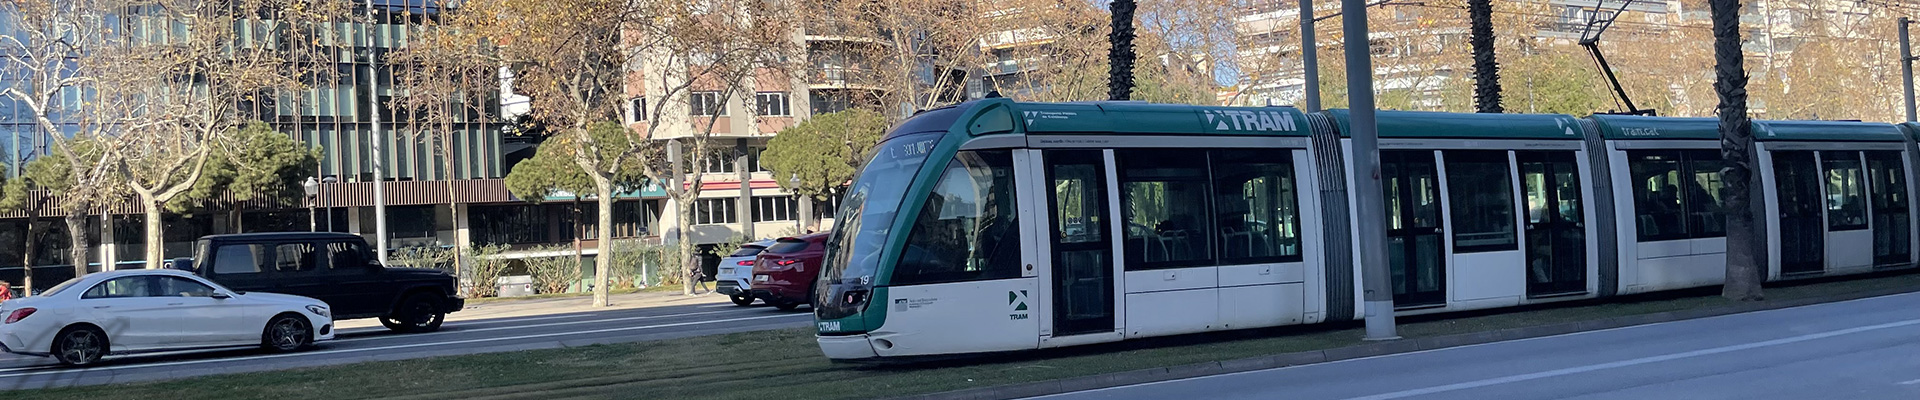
[
  {"x": 1862, "y": 349},
  {"x": 455, "y": 337}
]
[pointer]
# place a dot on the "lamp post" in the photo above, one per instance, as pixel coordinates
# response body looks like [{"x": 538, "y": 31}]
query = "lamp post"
[
  {"x": 329, "y": 180},
  {"x": 312, "y": 186},
  {"x": 799, "y": 227}
]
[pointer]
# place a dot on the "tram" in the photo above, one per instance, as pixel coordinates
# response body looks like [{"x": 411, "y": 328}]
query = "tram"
[{"x": 995, "y": 225}]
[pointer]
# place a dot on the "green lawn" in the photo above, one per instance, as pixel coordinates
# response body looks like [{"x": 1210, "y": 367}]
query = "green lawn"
[{"x": 786, "y": 364}]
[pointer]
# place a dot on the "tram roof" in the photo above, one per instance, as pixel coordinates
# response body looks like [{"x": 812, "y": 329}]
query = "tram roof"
[
  {"x": 1911, "y": 129},
  {"x": 999, "y": 115},
  {"x": 1631, "y": 127},
  {"x": 1427, "y": 124}
]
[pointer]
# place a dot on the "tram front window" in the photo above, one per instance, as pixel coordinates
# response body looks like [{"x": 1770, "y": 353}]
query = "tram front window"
[{"x": 866, "y": 214}]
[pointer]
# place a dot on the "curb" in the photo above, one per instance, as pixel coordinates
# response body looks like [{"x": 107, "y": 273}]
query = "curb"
[{"x": 1152, "y": 375}]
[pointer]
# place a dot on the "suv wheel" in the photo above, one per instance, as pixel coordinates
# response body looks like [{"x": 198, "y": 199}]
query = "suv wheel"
[
  {"x": 418, "y": 313},
  {"x": 287, "y": 332},
  {"x": 742, "y": 300}
]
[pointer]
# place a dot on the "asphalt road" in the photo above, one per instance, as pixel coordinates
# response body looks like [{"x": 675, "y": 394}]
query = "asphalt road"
[
  {"x": 1862, "y": 349},
  {"x": 354, "y": 345}
]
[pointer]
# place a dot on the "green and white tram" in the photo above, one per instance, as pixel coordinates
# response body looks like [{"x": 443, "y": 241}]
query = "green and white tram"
[{"x": 1002, "y": 226}]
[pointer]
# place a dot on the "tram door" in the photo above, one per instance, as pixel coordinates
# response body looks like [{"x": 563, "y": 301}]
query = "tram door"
[
  {"x": 1081, "y": 242},
  {"x": 1803, "y": 231},
  {"x": 1415, "y": 249},
  {"x": 1556, "y": 227},
  {"x": 1892, "y": 222}
]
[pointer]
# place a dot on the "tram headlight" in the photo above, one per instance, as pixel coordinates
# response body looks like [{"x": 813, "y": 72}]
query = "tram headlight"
[{"x": 855, "y": 297}]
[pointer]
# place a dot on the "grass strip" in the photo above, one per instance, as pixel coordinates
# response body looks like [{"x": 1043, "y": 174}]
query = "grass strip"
[{"x": 786, "y": 364}]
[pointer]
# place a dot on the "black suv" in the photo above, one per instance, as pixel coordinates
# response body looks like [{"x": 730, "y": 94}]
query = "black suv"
[{"x": 334, "y": 267}]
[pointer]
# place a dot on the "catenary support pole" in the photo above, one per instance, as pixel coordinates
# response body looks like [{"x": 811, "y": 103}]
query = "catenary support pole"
[
  {"x": 1906, "y": 67},
  {"x": 1371, "y": 207},
  {"x": 379, "y": 159},
  {"x": 1309, "y": 58}
]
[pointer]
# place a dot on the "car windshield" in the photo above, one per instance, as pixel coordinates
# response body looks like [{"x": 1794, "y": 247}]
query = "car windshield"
[
  {"x": 866, "y": 214},
  {"x": 787, "y": 246}
]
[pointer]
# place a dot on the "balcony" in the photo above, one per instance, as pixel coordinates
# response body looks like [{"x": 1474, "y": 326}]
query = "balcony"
[{"x": 830, "y": 77}]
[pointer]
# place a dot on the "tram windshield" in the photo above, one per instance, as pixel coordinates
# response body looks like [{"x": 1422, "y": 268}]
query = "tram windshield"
[{"x": 866, "y": 215}]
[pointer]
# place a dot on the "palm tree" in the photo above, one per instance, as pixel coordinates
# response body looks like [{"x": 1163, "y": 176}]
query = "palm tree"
[
  {"x": 1744, "y": 247},
  {"x": 1120, "y": 55},
  {"x": 1486, "y": 70}
]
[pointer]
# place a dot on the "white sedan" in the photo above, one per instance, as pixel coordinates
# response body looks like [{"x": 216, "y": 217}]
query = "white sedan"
[{"x": 139, "y": 311}]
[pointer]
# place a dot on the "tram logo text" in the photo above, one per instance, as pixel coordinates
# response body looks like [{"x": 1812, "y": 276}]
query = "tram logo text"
[{"x": 1243, "y": 120}]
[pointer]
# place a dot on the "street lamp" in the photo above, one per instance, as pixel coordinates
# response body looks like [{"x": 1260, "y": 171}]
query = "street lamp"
[
  {"x": 329, "y": 180},
  {"x": 312, "y": 186}
]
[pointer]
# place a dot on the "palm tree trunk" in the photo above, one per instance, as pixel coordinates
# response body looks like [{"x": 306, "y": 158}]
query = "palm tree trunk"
[
  {"x": 1486, "y": 69},
  {"x": 1120, "y": 55},
  {"x": 1744, "y": 243}
]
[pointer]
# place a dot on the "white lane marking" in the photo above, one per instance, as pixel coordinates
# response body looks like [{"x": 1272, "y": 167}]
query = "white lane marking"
[
  {"x": 1632, "y": 362},
  {"x": 403, "y": 346},
  {"x": 1911, "y": 382},
  {"x": 445, "y": 332},
  {"x": 1569, "y": 334},
  {"x": 469, "y": 322}
]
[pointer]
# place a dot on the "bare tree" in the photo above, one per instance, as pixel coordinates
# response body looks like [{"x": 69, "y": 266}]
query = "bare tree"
[
  {"x": 179, "y": 90},
  {"x": 445, "y": 80},
  {"x": 717, "y": 50},
  {"x": 46, "y": 56}
]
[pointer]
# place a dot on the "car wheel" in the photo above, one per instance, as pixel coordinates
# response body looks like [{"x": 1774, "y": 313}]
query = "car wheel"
[
  {"x": 80, "y": 345},
  {"x": 418, "y": 313},
  {"x": 787, "y": 305},
  {"x": 287, "y": 332},
  {"x": 742, "y": 300}
]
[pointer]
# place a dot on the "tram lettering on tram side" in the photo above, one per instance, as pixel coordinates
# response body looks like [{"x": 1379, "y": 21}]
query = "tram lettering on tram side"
[{"x": 994, "y": 225}]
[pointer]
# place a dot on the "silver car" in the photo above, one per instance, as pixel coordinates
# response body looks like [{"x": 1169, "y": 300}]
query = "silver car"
[{"x": 736, "y": 270}]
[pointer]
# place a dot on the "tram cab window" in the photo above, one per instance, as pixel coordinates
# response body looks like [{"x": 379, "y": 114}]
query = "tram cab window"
[
  {"x": 1481, "y": 186},
  {"x": 1846, "y": 190},
  {"x": 1164, "y": 201},
  {"x": 966, "y": 231},
  {"x": 1256, "y": 206},
  {"x": 1677, "y": 194}
]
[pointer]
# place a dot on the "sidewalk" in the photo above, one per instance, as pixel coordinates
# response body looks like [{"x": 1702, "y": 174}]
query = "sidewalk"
[{"x": 507, "y": 308}]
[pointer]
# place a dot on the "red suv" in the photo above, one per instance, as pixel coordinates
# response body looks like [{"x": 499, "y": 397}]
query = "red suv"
[{"x": 783, "y": 274}]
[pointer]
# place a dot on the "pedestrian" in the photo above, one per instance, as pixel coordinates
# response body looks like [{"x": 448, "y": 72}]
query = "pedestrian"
[{"x": 6, "y": 291}]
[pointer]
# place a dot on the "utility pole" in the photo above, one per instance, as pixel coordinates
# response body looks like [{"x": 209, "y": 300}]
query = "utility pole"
[
  {"x": 1906, "y": 67},
  {"x": 1309, "y": 57},
  {"x": 379, "y": 158},
  {"x": 1372, "y": 206}
]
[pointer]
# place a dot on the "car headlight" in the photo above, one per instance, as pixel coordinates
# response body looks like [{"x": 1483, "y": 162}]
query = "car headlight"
[{"x": 319, "y": 310}]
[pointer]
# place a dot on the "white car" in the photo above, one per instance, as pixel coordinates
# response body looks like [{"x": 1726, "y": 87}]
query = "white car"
[
  {"x": 137, "y": 311},
  {"x": 737, "y": 270}
]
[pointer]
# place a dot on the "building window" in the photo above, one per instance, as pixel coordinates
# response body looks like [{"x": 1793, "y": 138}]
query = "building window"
[
  {"x": 773, "y": 104},
  {"x": 636, "y": 109},
  {"x": 782, "y": 208},
  {"x": 707, "y": 104},
  {"x": 753, "y": 159},
  {"x": 718, "y": 164},
  {"x": 1482, "y": 207},
  {"x": 715, "y": 211}
]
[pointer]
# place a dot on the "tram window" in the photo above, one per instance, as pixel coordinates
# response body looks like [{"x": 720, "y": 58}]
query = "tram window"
[
  {"x": 1677, "y": 194},
  {"x": 1846, "y": 190},
  {"x": 1164, "y": 200},
  {"x": 1706, "y": 200},
  {"x": 966, "y": 231},
  {"x": 1256, "y": 206},
  {"x": 1481, "y": 185},
  {"x": 1656, "y": 194}
]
